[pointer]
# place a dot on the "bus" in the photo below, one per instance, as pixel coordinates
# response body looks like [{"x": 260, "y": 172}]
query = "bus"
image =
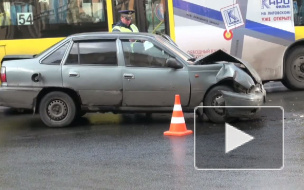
[{"x": 266, "y": 33}]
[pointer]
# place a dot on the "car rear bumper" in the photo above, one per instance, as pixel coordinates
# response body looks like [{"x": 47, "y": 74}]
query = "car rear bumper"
[
  {"x": 18, "y": 97},
  {"x": 250, "y": 103}
]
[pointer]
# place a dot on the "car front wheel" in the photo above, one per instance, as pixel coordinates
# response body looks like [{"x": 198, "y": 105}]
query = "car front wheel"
[
  {"x": 57, "y": 109},
  {"x": 215, "y": 98}
]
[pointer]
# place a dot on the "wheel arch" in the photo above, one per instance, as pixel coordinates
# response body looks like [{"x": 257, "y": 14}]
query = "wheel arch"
[
  {"x": 287, "y": 79},
  {"x": 72, "y": 93},
  {"x": 226, "y": 81},
  {"x": 289, "y": 49},
  {"x": 214, "y": 90}
]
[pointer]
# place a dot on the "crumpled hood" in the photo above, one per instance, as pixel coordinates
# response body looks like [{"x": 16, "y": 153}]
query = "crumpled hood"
[{"x": 220, "y": 55}]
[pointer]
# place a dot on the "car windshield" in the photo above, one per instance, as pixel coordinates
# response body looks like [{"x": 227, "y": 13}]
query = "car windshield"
[{"x": 185, "y": 56}]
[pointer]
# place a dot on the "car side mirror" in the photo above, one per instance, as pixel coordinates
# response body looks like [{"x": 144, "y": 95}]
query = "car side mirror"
[{"x": 173, "y": 63}]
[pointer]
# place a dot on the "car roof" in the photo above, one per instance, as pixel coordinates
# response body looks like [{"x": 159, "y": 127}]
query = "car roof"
[{"x": 111, "y": 34}]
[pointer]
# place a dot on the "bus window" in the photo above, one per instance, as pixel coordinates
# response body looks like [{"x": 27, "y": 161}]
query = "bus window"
[
  {"x": 125, "y": 5},
  {"x": 298, "y": 12},
  {"x": 155, "y": 13},
  {"x": 26, "y": 19},
  {"x": 150, "y": 15}
]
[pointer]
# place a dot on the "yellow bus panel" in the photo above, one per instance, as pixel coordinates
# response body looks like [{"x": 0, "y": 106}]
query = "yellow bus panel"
[
  {"x": 34, "y": 46},
  {"x": 299, "y": 32}
]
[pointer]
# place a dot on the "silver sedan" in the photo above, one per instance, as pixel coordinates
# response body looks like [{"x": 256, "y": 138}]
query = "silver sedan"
[{"x": 126, "y": 72}]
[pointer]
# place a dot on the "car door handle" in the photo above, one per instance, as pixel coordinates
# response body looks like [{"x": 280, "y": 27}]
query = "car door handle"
[
  {"x": 129, "y": 76},
  {"x": 73, "y": 74}
]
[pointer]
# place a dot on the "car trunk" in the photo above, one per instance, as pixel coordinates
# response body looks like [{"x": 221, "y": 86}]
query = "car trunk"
[{"x": 16, "y": 57}]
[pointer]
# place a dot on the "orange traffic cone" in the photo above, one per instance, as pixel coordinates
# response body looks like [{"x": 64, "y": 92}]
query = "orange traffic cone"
[{"x": 178, "y": 125}]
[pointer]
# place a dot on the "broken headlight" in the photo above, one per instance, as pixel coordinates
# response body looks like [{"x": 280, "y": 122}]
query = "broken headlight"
[
  {"x": 239, "y": 88},
  {"x": 255, "y": 89}
]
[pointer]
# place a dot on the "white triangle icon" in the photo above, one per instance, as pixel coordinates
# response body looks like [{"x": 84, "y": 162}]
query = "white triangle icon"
[{"x": 235, "y": 138}]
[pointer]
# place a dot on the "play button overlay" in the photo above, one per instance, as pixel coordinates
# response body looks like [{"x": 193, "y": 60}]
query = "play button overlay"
[
  {"x": 243, "y": 143},
  {"x": 235, "y": 138}
]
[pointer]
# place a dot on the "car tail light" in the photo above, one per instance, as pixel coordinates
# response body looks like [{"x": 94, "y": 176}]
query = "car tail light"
[{"x": 3, "y": 74}]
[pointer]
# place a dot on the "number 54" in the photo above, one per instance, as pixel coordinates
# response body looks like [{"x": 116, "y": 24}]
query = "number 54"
[{"x": 25, "y": 18}]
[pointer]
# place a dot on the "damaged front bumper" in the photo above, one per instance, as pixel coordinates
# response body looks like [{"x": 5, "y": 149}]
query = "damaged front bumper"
[{"x": 248, "y": 104}]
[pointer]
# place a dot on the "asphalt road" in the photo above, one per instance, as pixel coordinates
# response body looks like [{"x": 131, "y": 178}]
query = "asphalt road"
[{"x": 106, "y": 151}]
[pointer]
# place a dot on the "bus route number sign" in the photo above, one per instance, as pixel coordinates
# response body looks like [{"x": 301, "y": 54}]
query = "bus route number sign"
[{"x": 25, "y": 18}]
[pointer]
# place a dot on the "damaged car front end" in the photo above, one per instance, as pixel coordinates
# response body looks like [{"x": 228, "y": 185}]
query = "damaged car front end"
[{"x": 245, "y": 95}]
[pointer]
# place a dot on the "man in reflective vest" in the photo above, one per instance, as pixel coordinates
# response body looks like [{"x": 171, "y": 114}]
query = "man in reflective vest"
[{"x": 125, "y": 23}]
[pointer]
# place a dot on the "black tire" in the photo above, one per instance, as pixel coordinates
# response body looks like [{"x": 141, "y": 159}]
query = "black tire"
[
  {"x": 216, "y": 115},
  {"x": 148, "y": 115},
  {"x": 294, "y": 69},
  {"x": 81, "y": 113},
  {"x": 57, "y": 109}
]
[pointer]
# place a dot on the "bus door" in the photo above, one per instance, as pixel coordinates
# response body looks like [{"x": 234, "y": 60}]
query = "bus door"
[
  {"x": 150, "y": 15},
  {"x": 263, "y": 40}
]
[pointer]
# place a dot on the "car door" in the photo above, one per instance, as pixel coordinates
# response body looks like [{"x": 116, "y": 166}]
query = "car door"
[
  {"x": 147, "y": 81},
  {"x": 91, "y": 68}
]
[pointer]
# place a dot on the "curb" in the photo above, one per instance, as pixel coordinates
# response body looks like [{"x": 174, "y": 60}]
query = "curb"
[{"x": 271, "y": 85}]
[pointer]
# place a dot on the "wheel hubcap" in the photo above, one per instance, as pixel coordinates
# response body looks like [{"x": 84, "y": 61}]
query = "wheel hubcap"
[
  {"x": 219, "y": 101},
  {"x": 57, "y": 110},
  {"x": 298, "y": 69},
  {"x": 302, "y": 68}
]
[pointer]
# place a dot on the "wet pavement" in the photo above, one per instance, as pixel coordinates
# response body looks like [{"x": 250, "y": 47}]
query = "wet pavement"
[{"x": 107, "y": 151}]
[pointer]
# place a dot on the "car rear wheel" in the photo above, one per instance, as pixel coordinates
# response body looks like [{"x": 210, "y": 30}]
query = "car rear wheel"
[
  {"x": 57, "y": 109},
  {"x": 215, "y": 98}
]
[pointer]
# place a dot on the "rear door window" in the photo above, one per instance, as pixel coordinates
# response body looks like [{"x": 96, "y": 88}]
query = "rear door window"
[{"x": 93, "y": 53}]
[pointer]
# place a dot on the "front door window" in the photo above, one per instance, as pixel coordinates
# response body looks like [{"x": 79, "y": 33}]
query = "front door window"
[
  {"x": 143, "y": 54},
  {"x": 147, "y": 80}
]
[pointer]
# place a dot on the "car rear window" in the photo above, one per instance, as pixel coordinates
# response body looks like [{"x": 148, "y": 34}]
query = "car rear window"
[
  {"x": 56, "y": 57},
  {"x": 93, "y": 53}
]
